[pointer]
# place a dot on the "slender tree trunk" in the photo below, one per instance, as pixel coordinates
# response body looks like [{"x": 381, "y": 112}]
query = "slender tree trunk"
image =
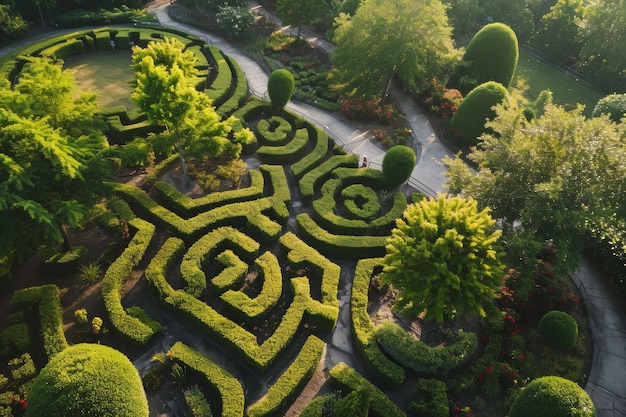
[
  {"x": 183, "y": 164},
  {"x": 386, "y": 86},
  {"x": 299, "y": 27},
  {"x": 43, "y": 22},
  {"x": 67, "y": 245}
]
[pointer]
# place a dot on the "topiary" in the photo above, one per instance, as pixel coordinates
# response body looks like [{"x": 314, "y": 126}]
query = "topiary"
[
  {"x": 552, "y": 396},
  {"x": 398, "y": 164},
  {"x": 614, "y": 105},
  {"x": 468, "y": 122},
  {"x": 280, "y": 86},
  {"x": 558, "y": 329},
  {"x": 491, "y": 55},
  {"x": 88, "y": 380}
]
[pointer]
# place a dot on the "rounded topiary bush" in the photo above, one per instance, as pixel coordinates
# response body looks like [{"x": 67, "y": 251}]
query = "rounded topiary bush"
[
  {"x": 469, "y": 119},
  {"x": 280, "y": 86},
  {"x": 492, "y": 55},
  {"x": 552, "y": 396},
  {"x": 559, "y": 329},
  {"x": 614, "y": 105},
  {"x": 398, "y": 164},
  {"x": 88, "y": 380}
]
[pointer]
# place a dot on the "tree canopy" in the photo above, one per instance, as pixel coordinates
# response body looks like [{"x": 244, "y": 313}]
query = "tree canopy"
[
  {"x": 411, "y": 37},
  {"x": 297, "y": 12},
  {"x": 443, "y": 256},
  {"x": 560, "y": 175}
]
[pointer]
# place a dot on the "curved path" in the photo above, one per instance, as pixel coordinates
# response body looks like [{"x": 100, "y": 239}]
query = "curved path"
[{"x": 607, "y": 380}]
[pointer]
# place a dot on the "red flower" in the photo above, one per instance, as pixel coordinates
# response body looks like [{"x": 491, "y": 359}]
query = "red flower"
[{"x": 521, "y": 356}]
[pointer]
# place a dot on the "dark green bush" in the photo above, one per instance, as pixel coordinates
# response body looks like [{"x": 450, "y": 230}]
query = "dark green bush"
[
  {"x": 491, "y": 55},
  {"x": 468, "y": 123},
  {"x": 88, "y": 380},
  {"x": 349, "y": 6},
  {"x": 14, "y": 339},
  {"x": 614, "y": 105},
  {"x": 552, "y": 396},
  {"x": 65, "y": 263},
  {"x": 431, "y": 399},
  {"x": 355, "y": 404},
  {"x": 559, "y": 329},
  {"x": 280, "y": 86},
  {"x": 398, "y": 164}
]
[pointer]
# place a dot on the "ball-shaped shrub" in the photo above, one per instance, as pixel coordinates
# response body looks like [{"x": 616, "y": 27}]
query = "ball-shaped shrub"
[
  {"x": 614, "y": 105},
  {"x": 398, "y": 164},
  {"x": 492, "y": 55},
  {"x": 469, "y": 119},
  {"x": 88, "y": 380},
  {"x": 558, "y": 329},
  {"x": 552, "y": 396},
  {"x": 349, "y": 6},
  {"x": 280, "y": 86}
]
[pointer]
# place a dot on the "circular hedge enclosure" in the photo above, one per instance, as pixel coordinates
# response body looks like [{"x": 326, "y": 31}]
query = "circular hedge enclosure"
[
  {"x": 559, "y": 329},
  {"x": 88, "y": 380},
  {"x": 553, "y": 396},
  {"x": 475, "y": 109}
]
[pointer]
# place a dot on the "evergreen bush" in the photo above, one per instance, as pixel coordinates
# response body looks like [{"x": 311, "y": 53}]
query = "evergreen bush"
[
  {"x": 552, "y": 396},
  {"x": 559, "y": 329},
  {"x": 398, "y": 164},
  {"x": 614, "y": 105},
  {"x": 469, "y": 121},
  {"x": 280, "y": 86}
]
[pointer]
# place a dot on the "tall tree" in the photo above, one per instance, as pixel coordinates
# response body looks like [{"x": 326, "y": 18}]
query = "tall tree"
[
  {"x": 298, "y": 12},
  {"x": 411, "y": 37},
  {"x": 443, "y": 256},
  {"x": 548, "y": 179},
  {"x": 557, "y": 35}
]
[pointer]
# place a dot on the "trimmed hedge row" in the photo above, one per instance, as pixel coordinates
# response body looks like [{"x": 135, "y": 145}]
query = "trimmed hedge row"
[
  {"x": 344, "y": 246},
  {"x": 347, "y": 378},
  {"x": 253, "y": 308},
  {"x": 229, "y": 388},
  {"x": 316, "y": 156},
  {"x": 248, "y": 214},
  {"x": 383, "y": 369},
  {"x": 316, "y": 176},
  {"x": 280, "y": 190},
  {"x": 231, "y": 334},
  {"x": 276, "y": 130},
  {"x": 129, "y": 327},
  {"x": 220, "y": 87},
  {"x": 233, "y": 274},
  {"x": 205, "y": 248},
  {"x": 65, "y": 263},
  {"x": 300, "y": 255},
  {"x": 50, "y": 314},
  {"x": 288, "y": 153},
  {"x": 192, "y": 206},
  {"x": 239, "y": 90},
  {"x": 361, "y": 201},
  {"x": 66, "y": 49},
  {"x": 418, "y": 356},
  {"x": 290, "y": 384}
]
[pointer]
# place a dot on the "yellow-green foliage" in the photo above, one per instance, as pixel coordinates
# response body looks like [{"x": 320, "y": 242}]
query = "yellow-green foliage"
[
  {"x": 275, "y": 130},
  {"x": 316, "y": 176},
  {"x": 232, "y": 275},
  {"x": 553, "y": 396},
  {"x": 288, "y": 153}
]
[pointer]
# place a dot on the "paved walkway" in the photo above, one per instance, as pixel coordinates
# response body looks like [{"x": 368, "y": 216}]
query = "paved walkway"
[{"x": 607, "y": 379}]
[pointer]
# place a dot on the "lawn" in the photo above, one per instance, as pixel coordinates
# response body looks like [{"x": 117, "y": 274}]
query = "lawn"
[
  {"x": 108, "y": 73},
  {"x": 567, "y": 91}
]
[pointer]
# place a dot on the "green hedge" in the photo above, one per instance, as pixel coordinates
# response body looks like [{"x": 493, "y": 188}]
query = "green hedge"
[
  {"x": 130, "y": 328},
  {"x": 64, "y": 50},
  {"x": 280, "y": 189},
  {"x": 220, "y": 87},
  {"x": 342, "y": 246},
  {"x": 252, "y": 308},
  {"x": 65, "y": 263},
  {"x": 418, "y": 356},
  {"x": 316, "y": 156},
  {"x": 276, "y": 130},
  {"x": 155, "y": 272},
  {"x": 290, "y": 384},
  {"x": 364, "y": 331},
  {"x": 239, "y": 91},
  {"x": 119, "y": 133},
  {"x": 233, "y": 274},
  {"x": 316, "y": 176},
  {"x": 14, "y": 339},
  {"x": 285, "y": 154},
  {"x": 347, "y": 378},
  {"x": 207, "y": 247},
  {"x": 250, "y": 214},
  {"x": 50, "y": 314},
  {"x": 192, "y": 206},
  {"x": 361, "y": 201},
  {"x": 431, "y": 399},
  {"x": 229, "y": 388}
]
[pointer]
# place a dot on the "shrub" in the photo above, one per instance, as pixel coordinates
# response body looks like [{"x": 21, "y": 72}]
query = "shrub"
[
  {"x": 559, "y": 329},
  {"x": 431, "y": 399},
  {"x": 614, "y": 105},
  {"x": 280, "y": 86},
  {"x": 355, "y": 404},
  {"x": 552, "y": 396},
  {"x": 197, "y": 403},
  {"x": 492, "y": 55},
  {"x": 14, "y": 338},
  {"x": 235, "y": 22},
  {"x": 89, "y": 273},
  {"x": 349, "y": 6},
  {"x": 469, "y": 121},
  {"x": 398, "y": 164},
  {"x": 85, "y": 380},
  {"x": 81, "y": 317},
  {"x": 64, "y": 263},
  {"x": 22, "y": 368},
  {"x": 136, "y": 154}
]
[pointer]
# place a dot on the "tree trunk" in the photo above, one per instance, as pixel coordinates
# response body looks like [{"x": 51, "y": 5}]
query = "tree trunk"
[
  {"x": 299, "y": 26},
  {"x": 67, "y": 245},
  {"x": 386, "y": 86},
  {"x": 43, "y": 22},
  {"x": 183, "y": 164}
]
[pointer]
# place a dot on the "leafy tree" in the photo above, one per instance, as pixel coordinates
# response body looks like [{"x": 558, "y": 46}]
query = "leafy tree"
[
  {"x": 461, "y": 14},
  {"x": 443, "y": 256},
  {"x": 557, "y": 36},
  {"x": 613, "y": 105},
  {"x": 553, "y": 396},
  {"x": 515, "y": 14},
  {"x": 280, "y": 86},
  {"x": 297, "y": 12},
  {"x": 87, "y": 380},
  {"x": 166, "y": 92},
  {"x": 12, "y": 25},
  {"x": 398, "y": 164},
  {"x": 559, "y": 175},
  {"x": 384, "y": 36},
  {"x": 349, "y": 6}
]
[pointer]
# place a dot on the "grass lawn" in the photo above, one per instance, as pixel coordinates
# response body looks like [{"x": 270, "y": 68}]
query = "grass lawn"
[
  {"x": 567, "y": 91},
  {"x": 106, "y": 73}
]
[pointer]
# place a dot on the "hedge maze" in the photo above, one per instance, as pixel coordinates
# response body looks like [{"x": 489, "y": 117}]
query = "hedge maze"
[{"x": 254, "y": 271}]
